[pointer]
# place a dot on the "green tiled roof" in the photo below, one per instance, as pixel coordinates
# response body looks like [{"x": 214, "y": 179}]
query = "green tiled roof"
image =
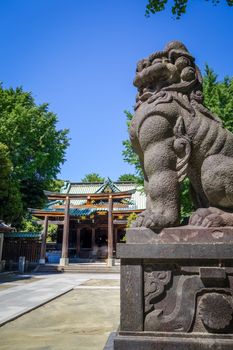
[
  {"x": 22, "y": 235},
  {"x": 137, "y": 201},
  {"x": 74, "y": 211},
  {"x": 108, "y": 184}
]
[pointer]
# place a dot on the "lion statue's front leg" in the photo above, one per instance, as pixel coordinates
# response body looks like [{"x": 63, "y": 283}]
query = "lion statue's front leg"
[{"x": 159, "y": 164}]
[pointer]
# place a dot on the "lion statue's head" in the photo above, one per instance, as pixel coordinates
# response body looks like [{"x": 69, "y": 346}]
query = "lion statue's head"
[{"x": 172, "y": 69}]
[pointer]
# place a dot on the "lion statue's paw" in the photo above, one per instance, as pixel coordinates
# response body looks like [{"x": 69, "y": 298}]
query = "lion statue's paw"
[
  {"x": 208, "y": 217},
  {"x": 149, "y": 219}
]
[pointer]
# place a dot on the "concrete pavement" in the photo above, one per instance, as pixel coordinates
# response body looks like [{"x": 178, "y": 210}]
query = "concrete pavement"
[
  {"x": 81, "y": 319},
  {"x": 28, "y": 292}
]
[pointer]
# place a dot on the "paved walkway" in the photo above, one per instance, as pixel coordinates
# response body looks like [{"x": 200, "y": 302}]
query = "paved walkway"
[{"x": 27, "y": 292}]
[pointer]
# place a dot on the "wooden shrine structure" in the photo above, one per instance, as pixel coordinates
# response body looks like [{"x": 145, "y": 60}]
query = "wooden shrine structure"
[{"x": 106, "y": 211}]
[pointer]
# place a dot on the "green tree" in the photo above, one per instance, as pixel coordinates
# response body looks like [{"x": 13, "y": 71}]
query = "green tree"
[
  {"x": 131, "y": 218},
  {"x": 92, "y": 177},
  {"x": 5, "y": 170},
  {"x": 178, "y": 8},
  {"x": 218, "y": 97},
  {"x": 128, "y": 177},
  {"x": 36, "y": 148},
  {"x": 55, "y": 185},
  {"x": 10, "y": 198},
  {"x": 30, "y": 224},
  {"x": 128, "y": 153}
]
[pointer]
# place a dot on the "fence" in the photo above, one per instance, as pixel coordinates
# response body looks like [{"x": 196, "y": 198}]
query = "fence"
[{"x": 14, "y": 248}]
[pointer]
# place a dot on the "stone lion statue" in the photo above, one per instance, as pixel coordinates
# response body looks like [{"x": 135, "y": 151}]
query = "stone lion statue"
[{"x": 175, "y": 136}]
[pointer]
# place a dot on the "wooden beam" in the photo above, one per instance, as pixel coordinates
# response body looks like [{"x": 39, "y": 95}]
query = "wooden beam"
[
  {"x": 43, "y": 213},
  {"x": 95, "y": 206},
  {"x": 50, "y": 213},
  {"x": 89, "y": 196},
  {"x": 120, "y": 222},
  {"x": 50, "y": 222},
  {"x": 126, "y": 212}
]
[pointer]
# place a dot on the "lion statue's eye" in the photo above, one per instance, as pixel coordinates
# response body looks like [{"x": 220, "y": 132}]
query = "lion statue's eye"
[
  {"x": 182, "y": 62},
  {"x": 188, "y": 74}
]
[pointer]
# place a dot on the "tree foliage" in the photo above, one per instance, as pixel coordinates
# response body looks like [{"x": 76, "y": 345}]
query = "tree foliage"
[
  {"x": 131, "y": 218},
  {"x": 10, "y": 197},
  {"x": 56, "y": 185},
  {"x": 178, "y": 8},
  {"x": 5, "y": 170},
  {"x": 92, "y": 177},
  {"x": 218, "y": 97},
  {"x": 30, "y": 224},
  {"x": 36, "y": 149},
  {"x": 128, "y": 177},
  {"x": 128, "y": 153}
]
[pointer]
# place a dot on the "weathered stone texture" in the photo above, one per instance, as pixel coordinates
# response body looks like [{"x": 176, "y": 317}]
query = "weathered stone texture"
[
  {"x": 177, "y": 282},
  {"x": 175, "y": 136}
]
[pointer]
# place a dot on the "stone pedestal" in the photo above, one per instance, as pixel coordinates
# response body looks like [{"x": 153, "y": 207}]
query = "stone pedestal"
[{"x": 176, "y": 290}]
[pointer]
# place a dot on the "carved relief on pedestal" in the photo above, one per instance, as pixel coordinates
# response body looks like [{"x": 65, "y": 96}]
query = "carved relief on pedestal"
[
  {"x": 191, "y": 304},
  {"x": 154, "y": 284},
  {"x": 215, "y": 311},
  {"x": 178, "y": 317}
]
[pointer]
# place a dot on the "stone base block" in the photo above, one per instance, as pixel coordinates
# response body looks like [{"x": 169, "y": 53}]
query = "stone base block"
[
  {"x": 110, "y": 342},
  {"x": 168, "y": 342},
  {"x": 64, "y": 261},
  {"x": 176, "y": 290},
  {"x": 110, "y": 262},
  {"x": 42, "y": 261}
]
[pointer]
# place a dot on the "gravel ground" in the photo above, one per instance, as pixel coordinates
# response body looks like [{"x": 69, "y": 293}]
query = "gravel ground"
[{"x": 81, "y": 319}]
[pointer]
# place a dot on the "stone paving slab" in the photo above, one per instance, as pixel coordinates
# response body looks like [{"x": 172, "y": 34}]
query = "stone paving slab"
[
  {"x": 14, "y": 302},
  {"x": 81, "y": 319},
  {"x": 78, "y": 320},
  {"x": 23, "y": 298}
]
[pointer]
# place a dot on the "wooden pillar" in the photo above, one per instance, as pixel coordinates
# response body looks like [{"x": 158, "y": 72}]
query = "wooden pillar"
[
  {"x": 110, "y": 231},
  {"x": 115, "y": 237},
  {"x": 78, "y": 242},
  {"x": 93, "y": 238},
  {"x": 43, "y": 242},
  {"x": 93, "y": 247},
  {"x": 1, "y": 248},
  {"x": 65, "y": 239}
]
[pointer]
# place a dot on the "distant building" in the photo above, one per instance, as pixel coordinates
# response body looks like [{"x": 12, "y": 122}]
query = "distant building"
[{"x": 92, "y": 222}]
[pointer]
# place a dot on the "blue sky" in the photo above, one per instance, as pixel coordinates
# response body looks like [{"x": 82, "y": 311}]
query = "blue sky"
[{"x": 80, "y": 57}]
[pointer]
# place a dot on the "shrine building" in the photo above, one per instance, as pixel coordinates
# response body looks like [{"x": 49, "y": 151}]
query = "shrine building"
[{"x": 91, "y": 218}]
